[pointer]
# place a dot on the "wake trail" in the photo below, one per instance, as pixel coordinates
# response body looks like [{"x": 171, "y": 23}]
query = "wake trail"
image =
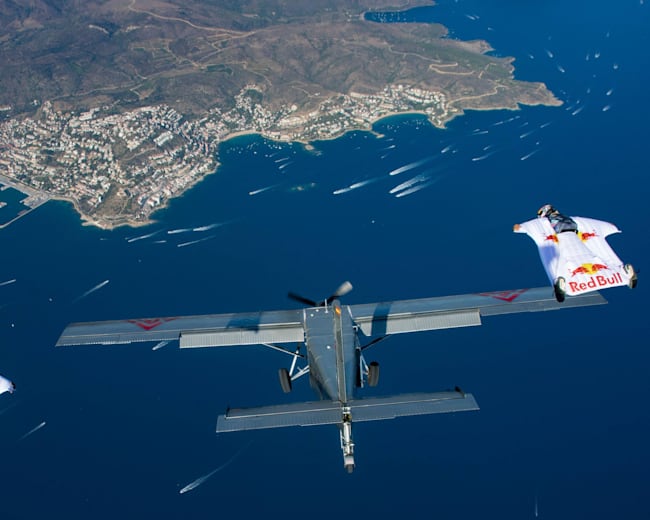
[
  {"x": 33, "y": 430},
  {"x": 196, "y": 483},
  {"x": 412, "y": 165},
  {"x": 90, "y": 291}
]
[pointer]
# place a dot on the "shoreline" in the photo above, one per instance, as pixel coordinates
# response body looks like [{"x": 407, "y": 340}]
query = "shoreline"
[
  {"x": 118, "y": 208},
  {"x": 89, "y": 220},
  {"x": 130, "y": 221}
]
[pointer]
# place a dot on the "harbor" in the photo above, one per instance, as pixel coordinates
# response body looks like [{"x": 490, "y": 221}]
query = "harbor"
[{"x": 17, "y": 200}]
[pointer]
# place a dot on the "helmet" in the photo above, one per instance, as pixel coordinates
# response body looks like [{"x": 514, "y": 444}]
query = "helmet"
[{"x": 546, "y": 210}]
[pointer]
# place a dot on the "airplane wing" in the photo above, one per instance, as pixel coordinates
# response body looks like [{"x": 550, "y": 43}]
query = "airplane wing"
[
  {"x": 269, "y": 327},
  {"x": 381, "y": 319},
  {"x": 213, "y": 330}
]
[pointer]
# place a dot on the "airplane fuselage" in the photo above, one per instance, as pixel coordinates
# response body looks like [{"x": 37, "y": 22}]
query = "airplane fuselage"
[
  {"x": 332, "y": 353},
  {"x": 334, "y": 363}
]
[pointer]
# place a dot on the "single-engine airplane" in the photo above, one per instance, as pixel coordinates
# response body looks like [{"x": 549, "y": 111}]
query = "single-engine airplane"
[{"x": 331, "y": 342}]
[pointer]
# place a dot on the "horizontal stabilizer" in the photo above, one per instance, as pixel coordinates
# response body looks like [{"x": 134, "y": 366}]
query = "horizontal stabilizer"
[
  {"x": 331, "y": 412},
  {"x": 278, "y": 416},
  {"x": 379, "y": 408}
]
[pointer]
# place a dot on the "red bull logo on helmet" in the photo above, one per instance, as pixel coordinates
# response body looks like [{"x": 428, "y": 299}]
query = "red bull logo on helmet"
[{"x": 586, "y": 236}]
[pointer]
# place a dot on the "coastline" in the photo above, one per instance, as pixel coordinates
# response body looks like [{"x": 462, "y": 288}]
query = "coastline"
[
  {"x": 109, "y": 225},
  {"x": 93, "y": 178},
  {"x": 88, "y": 220}
]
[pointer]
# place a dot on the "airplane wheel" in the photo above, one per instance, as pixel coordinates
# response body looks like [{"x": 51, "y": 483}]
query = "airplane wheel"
[
  {"x": 373, "y": 373},
  {"x": 560, "y": 289},
  {"x": 629, "y": 270},
  {"x": 285, "y": 380}
]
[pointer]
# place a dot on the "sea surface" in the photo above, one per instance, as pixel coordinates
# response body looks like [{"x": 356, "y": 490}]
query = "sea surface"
[
  {"x": 564, "y": 420},
  {"x": 11, "y": 201}
]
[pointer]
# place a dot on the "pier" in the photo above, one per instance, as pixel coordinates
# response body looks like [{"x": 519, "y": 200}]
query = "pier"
[{"x": 33, "y": 199}]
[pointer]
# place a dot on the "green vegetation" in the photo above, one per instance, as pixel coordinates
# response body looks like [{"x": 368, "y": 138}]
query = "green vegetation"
[
  {"x": 193, "y": 54},
  {"x": 121, "y": 105}
]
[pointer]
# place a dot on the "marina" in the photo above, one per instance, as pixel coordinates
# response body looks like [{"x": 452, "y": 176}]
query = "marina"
[{"x": 17, "y": 200}]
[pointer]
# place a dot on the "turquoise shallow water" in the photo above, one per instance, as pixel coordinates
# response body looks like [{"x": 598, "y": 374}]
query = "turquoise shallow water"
[{"x": 563, "y": 395}]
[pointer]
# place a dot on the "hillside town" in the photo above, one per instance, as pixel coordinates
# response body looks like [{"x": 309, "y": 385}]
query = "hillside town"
[{"x": 119, "y": 167}]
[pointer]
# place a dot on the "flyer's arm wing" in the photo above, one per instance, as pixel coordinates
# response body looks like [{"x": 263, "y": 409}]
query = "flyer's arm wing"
[
  {"x": 6, "y": 385},
  {"x": 539, "y": 229},
  {"x": 595, "y": 227},
  {"x": 381, "y": 319},
  {"x": 213, "y": 330},
  {"x": 544, "y": 236},
  {"x": 592, "y": 234}
]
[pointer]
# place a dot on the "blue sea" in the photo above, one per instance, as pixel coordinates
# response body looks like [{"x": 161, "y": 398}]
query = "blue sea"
[
  {"x": 564, "y": 420},
  {"x": 13, "y": 205}
]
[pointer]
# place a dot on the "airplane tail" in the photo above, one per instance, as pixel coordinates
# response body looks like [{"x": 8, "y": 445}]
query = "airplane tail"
[
  {"x": 343, "y": 415},
  {"x": 334, "y": 412}
]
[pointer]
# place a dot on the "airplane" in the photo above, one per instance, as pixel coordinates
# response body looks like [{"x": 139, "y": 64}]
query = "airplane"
[{"x": 331, "y": 341}]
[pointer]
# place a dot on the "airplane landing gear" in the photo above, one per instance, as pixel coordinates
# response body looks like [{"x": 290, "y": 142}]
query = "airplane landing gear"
[
  {"x": 347, "y": 445},
  {"x": 373, "y": 373},
  {"x": 368, "y": 373},
  {"x": 288, "y": 376},
  {"x": 285, "y": 380}
]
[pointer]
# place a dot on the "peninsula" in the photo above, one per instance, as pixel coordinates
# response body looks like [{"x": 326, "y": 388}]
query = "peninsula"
[{"x": 120, "y": 105}]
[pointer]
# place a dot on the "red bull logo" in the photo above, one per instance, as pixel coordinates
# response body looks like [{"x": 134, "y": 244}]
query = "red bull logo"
[
  {"x": 586, "y": 236},
  {"x": 595, "y": 282},
  {"x": 589, "y": 269},
  {"x": 552, "y": 238}
]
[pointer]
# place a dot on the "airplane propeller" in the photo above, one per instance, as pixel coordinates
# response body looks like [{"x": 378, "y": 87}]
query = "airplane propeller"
[
  {"x": 302, "y": 299},
  {"x": 342, "y": 290}
]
